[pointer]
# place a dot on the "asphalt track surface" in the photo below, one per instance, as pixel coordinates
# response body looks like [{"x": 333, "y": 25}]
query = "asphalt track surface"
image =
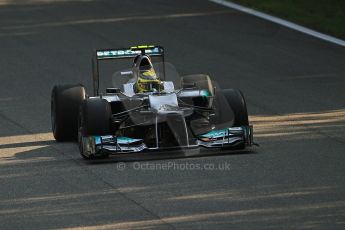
[{"x": 294, "y": 85}]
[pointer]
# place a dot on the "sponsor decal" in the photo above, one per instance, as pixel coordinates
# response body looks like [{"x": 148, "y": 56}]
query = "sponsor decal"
[
  {"x": 128, "y": 52},
  {"x": 127, "y": 140},
  {"x": 215, "y": 134}
]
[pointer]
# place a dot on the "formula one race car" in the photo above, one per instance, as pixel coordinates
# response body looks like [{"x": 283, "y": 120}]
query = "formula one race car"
[{"x": 148, "y": 108}]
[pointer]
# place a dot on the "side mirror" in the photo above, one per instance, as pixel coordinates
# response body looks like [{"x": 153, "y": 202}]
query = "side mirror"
[
  {"x": 189, "y": 85},
  {"x": 113, "y": 90}
]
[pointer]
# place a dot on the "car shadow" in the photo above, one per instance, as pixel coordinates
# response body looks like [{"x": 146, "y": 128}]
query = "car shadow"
[{"x": 169, "y": 155}]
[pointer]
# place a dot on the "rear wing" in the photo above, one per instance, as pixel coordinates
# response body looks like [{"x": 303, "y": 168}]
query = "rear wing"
[{"x": 110, "y": 54}]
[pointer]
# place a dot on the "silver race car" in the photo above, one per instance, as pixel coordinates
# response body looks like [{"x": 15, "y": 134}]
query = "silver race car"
[{"x": 148, "y": 107}]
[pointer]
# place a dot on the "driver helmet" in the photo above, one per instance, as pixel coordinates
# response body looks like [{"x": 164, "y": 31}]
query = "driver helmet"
[{"x": 147, "y": 81}]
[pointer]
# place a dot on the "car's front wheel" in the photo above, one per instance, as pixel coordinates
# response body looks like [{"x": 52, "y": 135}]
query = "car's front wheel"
[
  {"x": 94, "y": 120},
  {"x": 236, "y": 101}
]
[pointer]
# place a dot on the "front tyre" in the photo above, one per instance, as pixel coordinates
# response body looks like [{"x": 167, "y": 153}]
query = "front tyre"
[
  {"x": 94, "y": 120},
  {"x": 236, "y": 101},
  {"x": 238, "y": 105}
]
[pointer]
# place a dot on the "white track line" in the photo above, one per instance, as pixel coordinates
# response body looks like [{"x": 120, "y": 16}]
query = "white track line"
[{"x": 280, "y": 22}]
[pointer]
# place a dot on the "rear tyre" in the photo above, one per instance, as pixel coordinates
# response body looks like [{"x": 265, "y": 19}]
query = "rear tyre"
[
  {"x": 65, "y": 102},
  {"x": 94, "y": 120}
]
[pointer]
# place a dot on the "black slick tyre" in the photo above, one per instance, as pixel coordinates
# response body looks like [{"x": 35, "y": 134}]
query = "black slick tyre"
[
  {"x": 94, "y": 120},
  {"x": 65, "y": 102},
  {"x": 238, "y": 105}
]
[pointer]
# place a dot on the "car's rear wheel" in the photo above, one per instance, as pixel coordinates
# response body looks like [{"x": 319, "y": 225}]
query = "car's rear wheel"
[
  {"x": 65, "y": 102},
  {"x": 94, "y": 120}
]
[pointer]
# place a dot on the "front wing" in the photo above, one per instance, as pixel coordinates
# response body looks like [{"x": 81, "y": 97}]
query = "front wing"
[{"x": 226, "y": 138}]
